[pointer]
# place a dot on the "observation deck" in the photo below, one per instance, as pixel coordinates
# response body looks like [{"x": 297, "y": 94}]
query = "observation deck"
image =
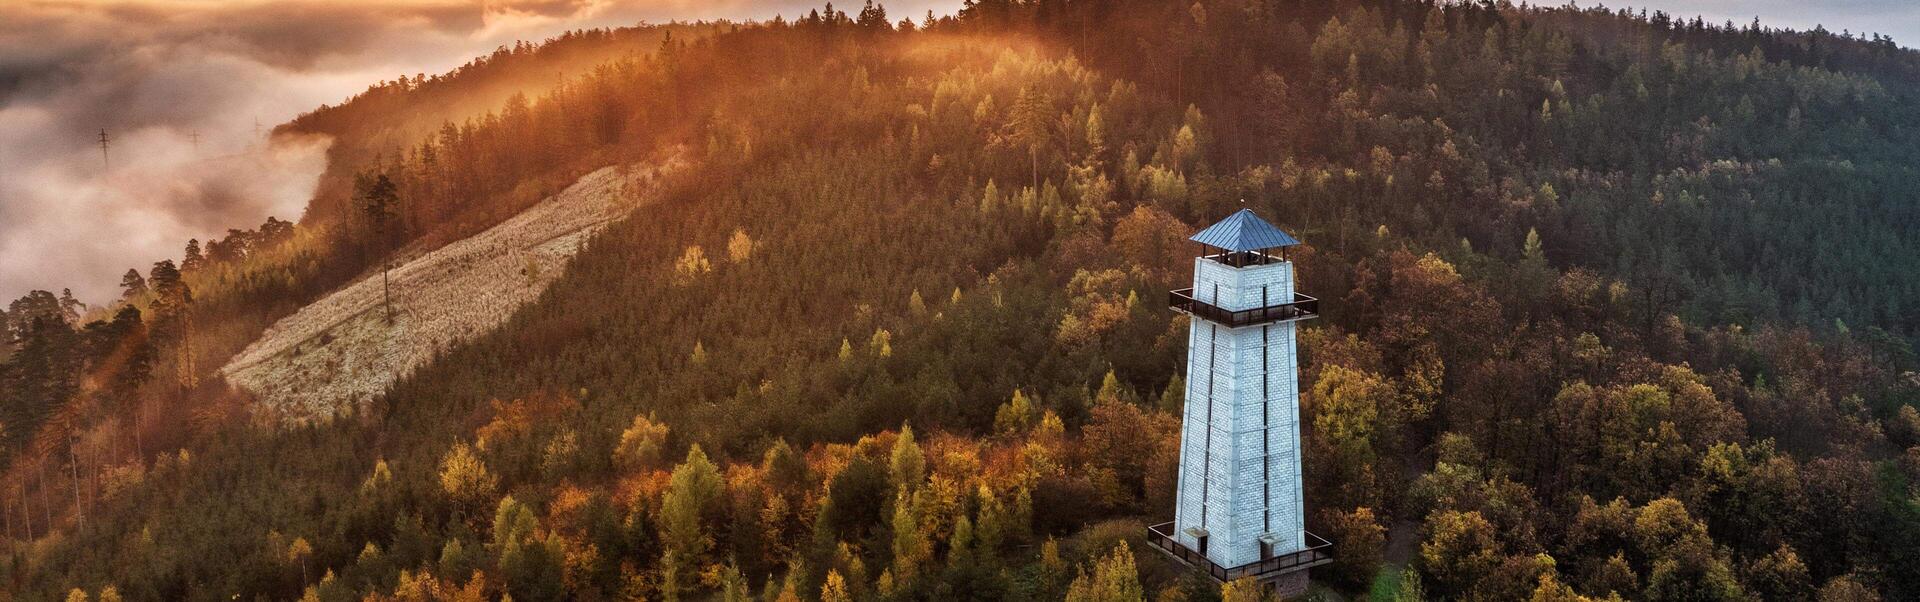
[
  {"x": 1319, "y": 551},
  {"x": 1301, "y": 308}
]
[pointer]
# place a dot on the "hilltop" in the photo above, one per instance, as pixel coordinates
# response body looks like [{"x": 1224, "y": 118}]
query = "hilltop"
[{"x": 1613, "y": 304}]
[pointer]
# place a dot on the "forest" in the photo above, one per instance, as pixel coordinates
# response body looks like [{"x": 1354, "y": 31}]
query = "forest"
[{"x": 1615, "y": 306}]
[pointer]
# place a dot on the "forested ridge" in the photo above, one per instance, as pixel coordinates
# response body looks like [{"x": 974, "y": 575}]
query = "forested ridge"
[{"x": 1616, "y": 305}]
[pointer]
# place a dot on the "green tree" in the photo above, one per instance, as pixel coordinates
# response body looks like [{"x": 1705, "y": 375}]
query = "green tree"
[
  {"x": 1015, "y": 416},
  {"x": 908, "y": 464},
  {"x": 690, "y": 493},
  {"x": 911, "y": 548},
  {"x": 379, "y": 200}
]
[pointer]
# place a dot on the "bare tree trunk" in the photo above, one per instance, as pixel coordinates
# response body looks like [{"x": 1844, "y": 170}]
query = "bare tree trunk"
[
  {"x": 139, "y": 418},
  {"x": 26, "y": 512},
  {"x": 386, "y": 287},
  {"x": 186, "y": 349},
  {"x": 46, "y": 499},
  {"x": 73, "y": 455},
  {"x": 1033, "y": 156}
]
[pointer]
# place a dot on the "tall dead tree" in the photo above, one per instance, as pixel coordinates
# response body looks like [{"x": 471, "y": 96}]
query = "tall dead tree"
[{"x": 105, "y": 162}]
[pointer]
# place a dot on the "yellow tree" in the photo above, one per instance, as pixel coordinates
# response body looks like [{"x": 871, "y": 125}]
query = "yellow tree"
[
  {"x": 641, "y": 445},
  {"x": 297, "y": 553},
  {"x": 1460, "y": 548},
  {"x": 835, "y": 589},
  {"x": 1347, "y": 428},
  {"x": 1244, "y": 589},
  {"x": 691, "y": 264},
  {"x": 1114, "y": 579},
  {"x": 465, "y": 477},
  {"x": 739, "y": 246}
]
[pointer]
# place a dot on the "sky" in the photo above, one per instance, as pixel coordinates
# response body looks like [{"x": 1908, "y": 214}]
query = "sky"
[
  {"x": 180, "y": 84},
  {"x": 1897, "y": 18}
]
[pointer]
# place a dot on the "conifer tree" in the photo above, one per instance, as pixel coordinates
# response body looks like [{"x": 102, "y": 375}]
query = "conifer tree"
[
  {"x": 908, "y": 465},
  {"x": 910, "y": 545},
  {"x": 192, "y": 260},
  {"x": 1029, "y": 123},
  {"x": 132, "y": 285},
  {"x": 691, "y": 491}
]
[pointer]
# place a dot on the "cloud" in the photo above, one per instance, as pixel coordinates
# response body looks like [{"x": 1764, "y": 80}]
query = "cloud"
[{"x": 159, "y": 74}]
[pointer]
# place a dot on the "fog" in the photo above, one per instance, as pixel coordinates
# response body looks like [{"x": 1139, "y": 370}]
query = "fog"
[{"x": 179, "y": 87}]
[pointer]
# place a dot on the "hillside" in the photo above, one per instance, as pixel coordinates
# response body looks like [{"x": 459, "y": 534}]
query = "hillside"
[
  {"x": 1613, "y": 305},
  {"x": 343, "y": 350}
]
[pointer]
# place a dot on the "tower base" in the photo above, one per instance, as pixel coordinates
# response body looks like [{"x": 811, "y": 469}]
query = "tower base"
[
  {"x": 1285, "y": 575},
  {"x": 1288, "y": 586}
]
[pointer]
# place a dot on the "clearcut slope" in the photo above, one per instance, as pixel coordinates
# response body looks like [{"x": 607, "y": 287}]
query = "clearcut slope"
[{"x": 342, "y": 350}]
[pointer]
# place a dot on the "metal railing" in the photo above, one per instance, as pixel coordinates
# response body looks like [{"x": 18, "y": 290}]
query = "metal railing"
[
  {"x": 1302, "y": 308},
  {"x": 1319, "y": 551}
]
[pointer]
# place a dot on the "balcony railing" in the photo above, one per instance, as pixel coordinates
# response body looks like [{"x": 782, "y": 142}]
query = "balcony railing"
[
  {"x": 1302, "y": 308},
  {"x": 1319, "y": 551}
]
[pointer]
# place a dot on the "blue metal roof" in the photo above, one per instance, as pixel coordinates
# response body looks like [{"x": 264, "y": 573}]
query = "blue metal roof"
[{"x": 1244, "y": 231}]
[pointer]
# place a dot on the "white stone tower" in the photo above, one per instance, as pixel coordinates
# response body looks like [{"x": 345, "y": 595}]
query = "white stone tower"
[{"x": 1239, "y": 511}]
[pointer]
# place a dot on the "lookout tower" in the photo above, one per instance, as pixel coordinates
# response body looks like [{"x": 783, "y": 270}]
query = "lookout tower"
[{"x": 1238, "y": 511}]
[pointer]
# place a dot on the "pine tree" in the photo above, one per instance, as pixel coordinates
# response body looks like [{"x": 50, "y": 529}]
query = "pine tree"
[
  {"x": 1032, "y": 116},
  {"x": 690, "y": 492},
  {"x": 193, "y": 260},
  {"x": 908, "y": 465},
  {"x": 994, "y": 526},
  {"x": 1015, "y": 416},
  {"x": 379, "y": 200},
  {"x": 1173, "y": 399},
  {"x": 132, "y": 285},
  {"x": 910, "y": 545}
]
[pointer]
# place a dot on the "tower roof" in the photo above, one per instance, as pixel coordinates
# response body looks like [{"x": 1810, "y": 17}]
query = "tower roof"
[{"x": 1244, "y": 231}]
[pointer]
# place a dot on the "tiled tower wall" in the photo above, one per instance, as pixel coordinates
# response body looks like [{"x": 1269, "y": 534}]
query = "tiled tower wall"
[{"x": 1240, "y": 435}]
